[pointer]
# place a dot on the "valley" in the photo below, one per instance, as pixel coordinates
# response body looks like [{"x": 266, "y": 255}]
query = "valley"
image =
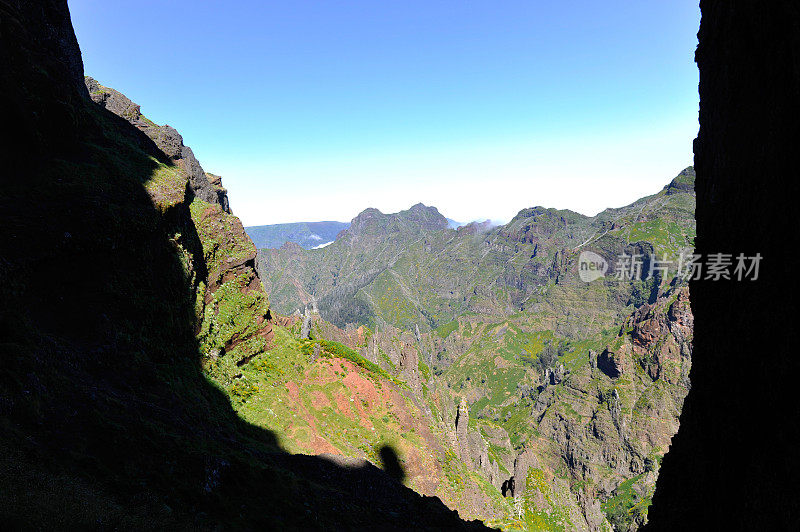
[{"x": 559, "y": 394}]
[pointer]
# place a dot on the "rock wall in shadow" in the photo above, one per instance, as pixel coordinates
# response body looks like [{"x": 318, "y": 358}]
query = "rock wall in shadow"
[
  {"x": 733, "y": 463},
  {"x": 107, "y": 419}
]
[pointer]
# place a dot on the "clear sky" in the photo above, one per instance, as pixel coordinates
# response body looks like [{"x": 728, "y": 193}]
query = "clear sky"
[{"x": 315, "y": 110}]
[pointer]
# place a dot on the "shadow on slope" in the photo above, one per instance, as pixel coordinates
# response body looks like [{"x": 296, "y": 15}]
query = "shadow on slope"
[{"x": 106, "y": 419}]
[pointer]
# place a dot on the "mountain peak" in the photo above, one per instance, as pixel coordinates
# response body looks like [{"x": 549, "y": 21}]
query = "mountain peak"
[
  {"x": 418, "y": 217},
  {"x": 429, "y": 217},
  {"x": 683, "y": 182}
]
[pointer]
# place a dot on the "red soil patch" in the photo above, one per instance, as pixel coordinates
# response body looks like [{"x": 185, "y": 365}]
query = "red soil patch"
[
  {"x": 343, "y": 405},
  {"x": 319, "y": 445},
  {"x": 294, "y": 391},
  {"x": 363, "y": 420},
  {"x": 361, "y": 387},
  {"x": 319, "y": 399}
]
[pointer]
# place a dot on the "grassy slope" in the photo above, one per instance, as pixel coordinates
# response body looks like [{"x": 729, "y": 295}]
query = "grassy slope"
[{"x": 341, "y": 403}]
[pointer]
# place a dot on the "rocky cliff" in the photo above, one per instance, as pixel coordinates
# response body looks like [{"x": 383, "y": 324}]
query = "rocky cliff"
[
  {"x": 127, "y": 285},
  {"x": 166, "y": 138},
  {"x": 232, "y": 308},
  {"x": 732, "y": 464}
]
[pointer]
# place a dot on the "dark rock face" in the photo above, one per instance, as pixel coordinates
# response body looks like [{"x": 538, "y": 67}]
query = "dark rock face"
[
  {"x": 609, "y": 364},
  {"x": 508, "y": 487},
  {"x": 38, "y": 47},
  {"x": 55, "y": 36},
  {"x": 117, "y": 103},
  {"x": 733, "y": 463}
]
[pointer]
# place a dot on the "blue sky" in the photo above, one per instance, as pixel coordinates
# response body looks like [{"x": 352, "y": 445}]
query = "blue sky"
[{"x": 315, "y": 110}]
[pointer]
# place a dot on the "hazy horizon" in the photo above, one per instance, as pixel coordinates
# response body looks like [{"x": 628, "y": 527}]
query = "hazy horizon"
[{"x": 495, "y": 221}]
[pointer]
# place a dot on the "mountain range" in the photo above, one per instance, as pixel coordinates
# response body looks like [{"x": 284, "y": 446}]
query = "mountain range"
[
  {"x": 307, "y": 234},
  {"x": 579, "y": 384},
  {"x": 158, "y": 371},
  {"x": 130, "y": 305}
]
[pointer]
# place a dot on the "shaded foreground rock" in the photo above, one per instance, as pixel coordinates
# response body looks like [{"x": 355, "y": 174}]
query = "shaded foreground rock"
[{"x": 732, "y": 464}]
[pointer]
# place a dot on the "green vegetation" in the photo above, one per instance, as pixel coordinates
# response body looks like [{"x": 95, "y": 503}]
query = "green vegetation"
[
  {"x": 424, "y": 370},
  {"x": 444, "y": 330},
  {"x": 554, "y": 517},
  {"x": 625, "y": 507},
  {"x": 335, "y": 349},
  {"x": 163, "y": 336},
  {"x": 233, "y": 314}
]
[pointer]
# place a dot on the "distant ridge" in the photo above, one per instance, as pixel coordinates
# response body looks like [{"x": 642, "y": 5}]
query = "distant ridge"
[{"x": 307, "y": 234}]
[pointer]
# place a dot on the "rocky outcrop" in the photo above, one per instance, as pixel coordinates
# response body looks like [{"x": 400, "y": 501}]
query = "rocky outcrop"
[
  {"x": 398, "y": 353},
  {"x": 306, "y": 330},
  {"x": 658, "y": 337},
  {"x": 166, "y": 138},
  {"x": 683, "y": 182},
  {"x": 555, "y": 375},
  {"x": 222, "y": 192},
  {"x": 472, "y": 447},
  {"x": 661, "y": 340},
  {"x": 234, "y": 312},
  {"x": 226, "y": 278},
  {"x": 522, "y": 463},
  {"x": 462, "y": 430}
]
